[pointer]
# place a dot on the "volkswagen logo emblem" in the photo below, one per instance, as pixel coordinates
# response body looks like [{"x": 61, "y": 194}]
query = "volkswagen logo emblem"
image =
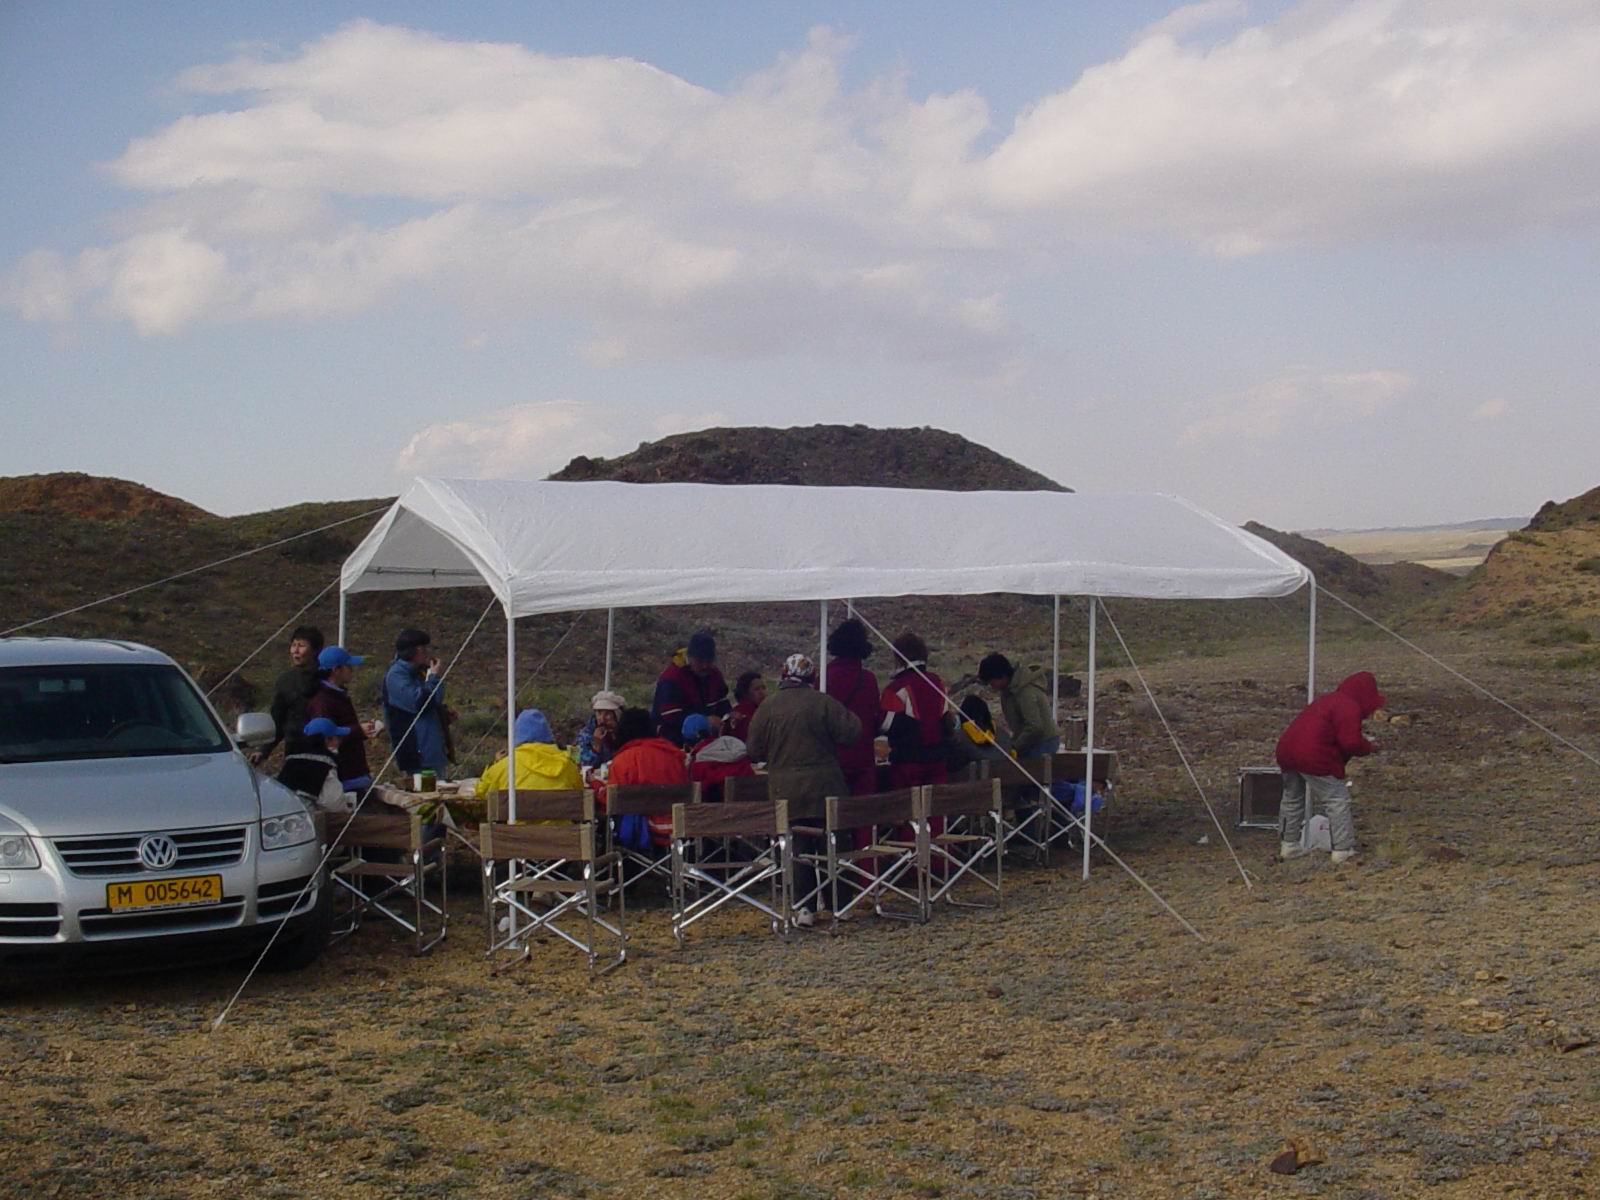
[{"x": 158, "y": 852}]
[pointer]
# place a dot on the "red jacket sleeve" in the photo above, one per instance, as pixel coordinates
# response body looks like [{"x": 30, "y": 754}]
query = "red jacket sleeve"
[{"x": 1347, "y": 731}]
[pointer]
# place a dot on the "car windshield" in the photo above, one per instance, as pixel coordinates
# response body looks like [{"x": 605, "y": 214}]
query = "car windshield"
[{"x": 103, "y": 711}]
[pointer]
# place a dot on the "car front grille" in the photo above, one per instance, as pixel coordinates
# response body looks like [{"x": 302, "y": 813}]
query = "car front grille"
[
  {"x": 118, "y": 854},
  {"x": 30, "y": 920},
  {"x": 103, "y": 923}
]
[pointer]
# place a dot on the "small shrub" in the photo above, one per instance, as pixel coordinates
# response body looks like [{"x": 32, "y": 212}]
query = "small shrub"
[
  {"x": 1561, "y": 633},
  {"x": 1590, "y": 565},
  {"x": 1580, "y": 660}
]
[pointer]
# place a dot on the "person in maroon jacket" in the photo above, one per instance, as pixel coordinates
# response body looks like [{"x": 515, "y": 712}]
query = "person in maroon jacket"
[
  {"x": 748, "y": 693},
  {"x": 1312, "y": 754},
  {"x": 855, "y": 687},
  {"x": 915, "y": 719},
  {"x": 337, "y": 666},
  {"x": 694, "y": 686}
]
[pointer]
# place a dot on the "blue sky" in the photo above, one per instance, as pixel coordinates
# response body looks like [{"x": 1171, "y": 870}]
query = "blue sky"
[{"x": 1317, "y": 265}]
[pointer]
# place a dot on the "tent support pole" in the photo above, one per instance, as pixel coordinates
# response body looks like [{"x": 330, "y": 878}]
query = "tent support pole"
[
  {"x": 511, "y": 718},
  {"x": 1055, "y": 664},
  {"x": 822, "y": 649},
  {"x": 611, "y": 633},
  {"x": 343, "y": 614},
  {"x": 1088, "y": 744},
  {"x": 1311, "y": 647}
]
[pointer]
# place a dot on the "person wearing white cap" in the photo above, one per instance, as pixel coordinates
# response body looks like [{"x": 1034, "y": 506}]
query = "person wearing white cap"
[{"x": 597, "y": 740}]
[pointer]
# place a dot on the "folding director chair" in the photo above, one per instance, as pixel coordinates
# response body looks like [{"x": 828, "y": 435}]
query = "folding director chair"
[
  {"x": 878, "y": 870},
  {"x": 1025, "y": 809},
  {"x": 953, "y": 857},
  {"x": 563, "y": 806},
  {"x": 387, "y": 867},
  {"x": 645, "y": 800},
  {"x": 1071, "y": 765},
  {"x": 702, "y": 888},
  {"x": 555, "y": 874}
]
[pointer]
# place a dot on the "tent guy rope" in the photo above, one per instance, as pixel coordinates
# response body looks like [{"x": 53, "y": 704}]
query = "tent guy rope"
[
  {"x": 333, "y": 842},
  {"x": 144, "y": 587},
  {"x": 1471, "y": 683},
  {"x": 1178, "y": 746},
  {"x": 272, "y": 637},
  {"x": 1095, "y": 838},
  {"x": 501, "y": 711}
]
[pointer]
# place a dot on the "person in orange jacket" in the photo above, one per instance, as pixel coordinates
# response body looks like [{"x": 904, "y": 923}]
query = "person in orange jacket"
[{"x": 644, "y": 756}]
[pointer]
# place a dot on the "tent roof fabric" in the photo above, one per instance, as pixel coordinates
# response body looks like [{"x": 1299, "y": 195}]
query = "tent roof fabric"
[{"x": 565, "y": 547}]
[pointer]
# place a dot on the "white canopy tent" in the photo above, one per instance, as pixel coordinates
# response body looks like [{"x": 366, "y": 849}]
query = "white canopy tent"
[{"x": 566, "y": 547}]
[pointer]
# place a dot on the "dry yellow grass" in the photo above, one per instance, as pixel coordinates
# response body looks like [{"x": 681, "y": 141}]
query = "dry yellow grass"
[{"x": 1406, "y": 1017}]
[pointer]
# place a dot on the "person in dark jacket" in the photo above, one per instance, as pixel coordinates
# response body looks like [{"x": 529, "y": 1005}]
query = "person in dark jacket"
[
  {"x": 413, "y": 705},
  {"x": 692, "y": 686},
  {"x": 975, "y": 739},
  {"x": 798, "y": 733},
  {"x": 289, "y": 695},
  {"x": 307, "y": 769},
  {"x": 1312, "y": 754},
  {"x": 855, "y": 687},
  {"x": 914, "y": 719},
  {"x": 338, "y": 670}
]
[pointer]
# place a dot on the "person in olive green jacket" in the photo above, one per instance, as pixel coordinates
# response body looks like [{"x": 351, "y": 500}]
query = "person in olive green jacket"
[
  {"x": 1025, "y": 701},
  {"x": 797, "y": 733}
]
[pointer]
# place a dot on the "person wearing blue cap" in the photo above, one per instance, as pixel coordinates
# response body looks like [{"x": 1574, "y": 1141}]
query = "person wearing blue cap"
[
  {"x": 310, "y": 768},
  {"x": 337, "y": 666}
]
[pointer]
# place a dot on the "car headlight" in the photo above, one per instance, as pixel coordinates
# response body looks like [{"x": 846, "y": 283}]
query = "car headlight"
[
  {"x": 293, "y": 829},
  {"x": 17, "y": 853}
]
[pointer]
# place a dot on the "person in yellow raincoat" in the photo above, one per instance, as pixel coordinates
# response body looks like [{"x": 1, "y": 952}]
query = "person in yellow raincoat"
[{"x": 541, "y": 765}]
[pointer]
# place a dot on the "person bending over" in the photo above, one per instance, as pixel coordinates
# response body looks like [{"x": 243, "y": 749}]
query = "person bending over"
[
  {"x": 1025, "y": 702},
  {"x": 1312, "y": 754}
]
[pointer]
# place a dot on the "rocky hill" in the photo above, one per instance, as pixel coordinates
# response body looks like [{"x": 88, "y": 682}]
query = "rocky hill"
[
  {"x": 1384, "y": 588},
  {"x": 817, "y": 456},
  {"x": 93, "y": 498},
  {"x": 1546, "y": 575},
  {"x": 1569, "y": 514}
]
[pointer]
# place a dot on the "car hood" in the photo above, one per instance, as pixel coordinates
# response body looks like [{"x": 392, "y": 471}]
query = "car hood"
[{"x": 128, "y": 795}]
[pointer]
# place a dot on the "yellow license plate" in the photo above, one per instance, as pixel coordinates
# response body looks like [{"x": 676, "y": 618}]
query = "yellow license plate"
[{"x": 164, "y": 893}]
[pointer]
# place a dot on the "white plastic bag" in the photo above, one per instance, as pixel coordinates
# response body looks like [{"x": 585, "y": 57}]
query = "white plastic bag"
[{"x": 1318, "y": 833}]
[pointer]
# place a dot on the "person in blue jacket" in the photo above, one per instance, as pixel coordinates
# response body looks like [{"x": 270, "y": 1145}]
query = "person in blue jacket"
[{"x": 413, "y": 705}]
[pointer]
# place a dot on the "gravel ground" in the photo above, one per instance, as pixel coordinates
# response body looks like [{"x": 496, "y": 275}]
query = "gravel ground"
[{"x": 1418, "y": 1021}]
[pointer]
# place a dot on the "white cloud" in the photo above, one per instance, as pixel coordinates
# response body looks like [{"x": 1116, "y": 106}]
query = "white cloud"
[
  {"x": 792, "y": 214},
  {"x": 526, "y": 441},
  {"x": 1334, "y": 122},
  {"x": 1491, "y": 410},
  {"x": 1294, "y": 401}
]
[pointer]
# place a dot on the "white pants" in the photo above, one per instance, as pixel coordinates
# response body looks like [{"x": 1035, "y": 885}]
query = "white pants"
[{"x": 1334, "y": 795}]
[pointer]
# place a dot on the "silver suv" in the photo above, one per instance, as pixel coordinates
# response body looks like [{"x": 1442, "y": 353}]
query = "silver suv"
[{"x": 132, "y": 824}]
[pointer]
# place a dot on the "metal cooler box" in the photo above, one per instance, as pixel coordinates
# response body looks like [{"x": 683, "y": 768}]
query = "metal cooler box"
[{"x": 1260, "y": 796}]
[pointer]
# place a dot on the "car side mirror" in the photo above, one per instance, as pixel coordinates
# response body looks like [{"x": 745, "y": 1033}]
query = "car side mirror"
[{"x": 255, "y": 729}]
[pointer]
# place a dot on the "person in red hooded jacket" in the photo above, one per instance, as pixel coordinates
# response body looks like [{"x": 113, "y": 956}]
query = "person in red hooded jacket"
[{"x": 1312, "y": 754}]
